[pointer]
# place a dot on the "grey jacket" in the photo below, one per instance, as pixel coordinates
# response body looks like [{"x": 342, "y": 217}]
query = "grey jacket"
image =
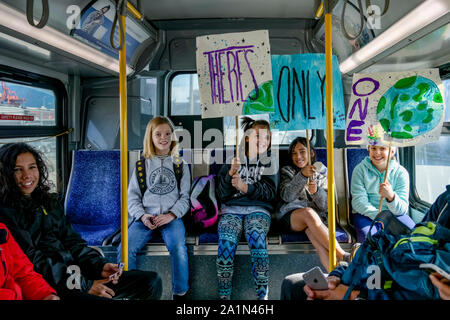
[
  {"x": 294, "y": 194},
  {"x": 162, "y": 193}
]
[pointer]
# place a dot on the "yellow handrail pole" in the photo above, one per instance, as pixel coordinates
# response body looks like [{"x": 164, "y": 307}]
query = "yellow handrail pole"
[
  {"x": 330, "y": 138},
  {"x": 319, "y": 11},
  {"x": 134, "y": 11},
  {"x": 123, "y": 144}
]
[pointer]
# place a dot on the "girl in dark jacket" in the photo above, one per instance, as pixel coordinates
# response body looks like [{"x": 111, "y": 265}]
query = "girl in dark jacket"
[
  {"x": 247, "y": 189},
  {"x": 37, "y": 221}
]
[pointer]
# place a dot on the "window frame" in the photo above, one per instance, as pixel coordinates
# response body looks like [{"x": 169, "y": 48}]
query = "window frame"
[
  {"x": 17, "y": 76},
  {"x": 170, "y": 78},
  {"x": 408, "y": 160}
]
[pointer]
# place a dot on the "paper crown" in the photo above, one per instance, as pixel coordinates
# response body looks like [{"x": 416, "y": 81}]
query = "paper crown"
[{"x": 373, "y": 136}]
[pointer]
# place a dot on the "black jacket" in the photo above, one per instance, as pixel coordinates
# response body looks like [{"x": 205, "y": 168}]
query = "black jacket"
[
  {"x": 51, "y": 244},
  {"x": 262, "y": 178}
]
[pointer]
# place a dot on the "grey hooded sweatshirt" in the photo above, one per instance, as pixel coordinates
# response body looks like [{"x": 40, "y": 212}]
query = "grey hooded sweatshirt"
[
  {"x": 294, "y": 194},
  {"x": 162, "y": 195}
]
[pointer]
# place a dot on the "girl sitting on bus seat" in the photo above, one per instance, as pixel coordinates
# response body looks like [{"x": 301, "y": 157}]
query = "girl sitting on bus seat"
[
  {"x": 247, "y": 189},
  {"x": 36, "y": 219},
  {"x": 162, "y": 205},
  {"x": 304, "y": 200},
  {"x": 367, "y": 186},
  {"x": 18, "y": 280}
]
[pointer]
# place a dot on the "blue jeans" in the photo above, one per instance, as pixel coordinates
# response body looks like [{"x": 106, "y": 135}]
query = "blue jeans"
[
  {"x": 362, "y": 225},
  {"x": 173, "y": 234}
]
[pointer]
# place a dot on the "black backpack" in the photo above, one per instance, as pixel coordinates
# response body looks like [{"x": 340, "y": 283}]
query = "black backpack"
[{"x": 141, "y": 174}]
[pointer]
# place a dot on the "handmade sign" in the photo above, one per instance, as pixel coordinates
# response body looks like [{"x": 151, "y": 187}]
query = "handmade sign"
[
  {"x": 299, "y": 92},
  {"x": 397, "y": 108},
  {"x": 234, "y": 74}
]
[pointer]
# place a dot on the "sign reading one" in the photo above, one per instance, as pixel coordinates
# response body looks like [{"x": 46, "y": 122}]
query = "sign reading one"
[{"x": 405, "y": 108}]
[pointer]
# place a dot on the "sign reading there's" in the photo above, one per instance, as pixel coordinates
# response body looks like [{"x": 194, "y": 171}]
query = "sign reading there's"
[{"x": 234, "y": 74}]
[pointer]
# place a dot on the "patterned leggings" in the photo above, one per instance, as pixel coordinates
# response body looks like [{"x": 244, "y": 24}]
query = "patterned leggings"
[{"x": 256, "y": 225}]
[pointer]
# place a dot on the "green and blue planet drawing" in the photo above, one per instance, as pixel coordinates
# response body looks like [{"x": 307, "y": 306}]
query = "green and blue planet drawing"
[{"x": 411, "y": 107}]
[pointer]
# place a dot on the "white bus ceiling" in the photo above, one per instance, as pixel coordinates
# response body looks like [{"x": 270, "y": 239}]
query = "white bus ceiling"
[{"x": 182, "y": 20}]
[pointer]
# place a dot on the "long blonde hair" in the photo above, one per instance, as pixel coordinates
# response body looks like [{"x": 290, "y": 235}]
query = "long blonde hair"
[{"x": 149, "y": 147}]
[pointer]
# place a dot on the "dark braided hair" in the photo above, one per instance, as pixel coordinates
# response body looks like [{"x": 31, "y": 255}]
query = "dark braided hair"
[{"x": 10, "y": 194}]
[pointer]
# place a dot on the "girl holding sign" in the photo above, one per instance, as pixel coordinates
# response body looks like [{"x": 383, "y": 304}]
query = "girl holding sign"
[
  {"x": 368, "y": 186},
  {"x": 304, "y": 195},
  {"x": 247, "y": 189}
]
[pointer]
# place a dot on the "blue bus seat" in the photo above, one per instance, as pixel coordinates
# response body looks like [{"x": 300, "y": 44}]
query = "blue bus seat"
[
  {"x": 353, "y": 156},
  {"x": 92, "y": 201}
]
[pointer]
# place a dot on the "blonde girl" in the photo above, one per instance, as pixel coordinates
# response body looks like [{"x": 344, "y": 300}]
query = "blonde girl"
[{"x": 163, "y": 203}]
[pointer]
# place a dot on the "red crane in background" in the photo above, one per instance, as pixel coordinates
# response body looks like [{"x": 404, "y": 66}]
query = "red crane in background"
[{"x": 10, "y": 97}]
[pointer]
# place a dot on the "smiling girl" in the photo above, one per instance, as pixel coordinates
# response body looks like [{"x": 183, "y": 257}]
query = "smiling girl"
[
  {"x": 304, "y": 195},
  {"x": 368, "y": 186},
  {"x": 247, "y": 189},
  {"x": 163, "y": 203}
]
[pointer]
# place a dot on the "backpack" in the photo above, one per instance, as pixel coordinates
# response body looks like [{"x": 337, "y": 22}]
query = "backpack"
[
  {"x": 141, "y": 174},
  {"x": 204, "y": 206},
  {"x": 398, "y": 256}
]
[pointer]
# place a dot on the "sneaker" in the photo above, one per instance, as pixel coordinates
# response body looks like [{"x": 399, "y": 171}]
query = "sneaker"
[{"x": 177, "y": 297}]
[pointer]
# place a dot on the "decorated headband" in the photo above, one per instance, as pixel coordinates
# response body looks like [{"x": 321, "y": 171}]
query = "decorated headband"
[{"x": 374, "y": 136}]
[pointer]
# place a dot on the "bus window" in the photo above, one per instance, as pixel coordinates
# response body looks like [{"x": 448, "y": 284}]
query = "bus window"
[
  {"x": 432, "y": 159},
  {"x": 184, "y": 98},
  {"x": 22, "y": 105},
  {"x": 47, "y": 147},
  {"x": 28, "y": 114}
]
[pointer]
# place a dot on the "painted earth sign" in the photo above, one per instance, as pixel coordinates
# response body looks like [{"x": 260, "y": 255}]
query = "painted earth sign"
[{"x": 406, "y": 108}]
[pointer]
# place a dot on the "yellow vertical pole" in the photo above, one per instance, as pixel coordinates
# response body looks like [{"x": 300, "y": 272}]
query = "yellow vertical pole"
[
  {"x": 123, "y": 144},
  {"x": 330, "y": 138}
]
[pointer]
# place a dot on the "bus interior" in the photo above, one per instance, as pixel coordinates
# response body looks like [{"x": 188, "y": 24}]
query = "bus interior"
[{"x": 60, "y": 92}]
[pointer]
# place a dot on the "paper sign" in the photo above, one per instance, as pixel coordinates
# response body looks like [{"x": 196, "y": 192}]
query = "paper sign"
[
  {"x": 299, "y": 92},
  {"x": 234, "y": 74},
  {"x": 404, "y": 108}
]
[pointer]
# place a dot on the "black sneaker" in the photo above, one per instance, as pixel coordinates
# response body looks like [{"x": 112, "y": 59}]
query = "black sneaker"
[{"x": 177, "y": 297}]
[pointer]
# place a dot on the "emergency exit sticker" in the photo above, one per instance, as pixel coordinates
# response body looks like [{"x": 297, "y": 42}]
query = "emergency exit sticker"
[{"x": 16, "y": 117}]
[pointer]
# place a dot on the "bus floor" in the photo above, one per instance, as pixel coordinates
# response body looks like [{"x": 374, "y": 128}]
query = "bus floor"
[{"x": 203, "y": 276}]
